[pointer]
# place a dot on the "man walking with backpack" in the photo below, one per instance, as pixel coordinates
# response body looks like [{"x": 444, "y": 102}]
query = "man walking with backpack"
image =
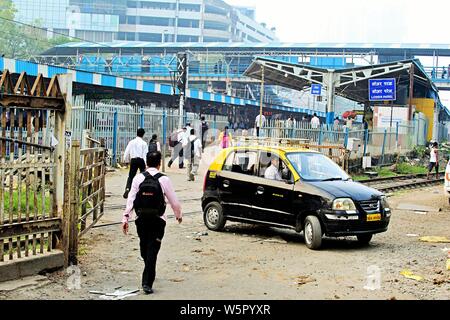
[
  {"x": 205, "y": 129},
  {"x": 154, "y": 144},
  {"x": 175, "y": 142},
  {"x": 193, "y": 154},
  {"x": 135, "y": 154},
  {"x": 147, "y": 198}
]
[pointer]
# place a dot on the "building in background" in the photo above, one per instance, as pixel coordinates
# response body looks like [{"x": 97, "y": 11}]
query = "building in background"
[{"x": 146, "y": 20}]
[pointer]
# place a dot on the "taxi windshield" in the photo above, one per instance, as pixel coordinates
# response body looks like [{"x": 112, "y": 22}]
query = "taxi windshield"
[{"x": 316, "y": 167}]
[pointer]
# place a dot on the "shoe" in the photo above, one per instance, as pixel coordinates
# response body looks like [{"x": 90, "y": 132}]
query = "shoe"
[
  {"x": 170, "y": 163},
  {"x": 147, "y": 289},
  {"x": 125, "y": 195}
]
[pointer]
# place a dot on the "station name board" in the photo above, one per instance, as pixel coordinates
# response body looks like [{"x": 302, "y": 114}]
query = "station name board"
[{"x": 382, "y": 90}]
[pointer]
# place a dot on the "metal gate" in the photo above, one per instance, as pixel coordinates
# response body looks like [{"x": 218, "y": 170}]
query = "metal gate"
[{"x": 30, "y": 161}]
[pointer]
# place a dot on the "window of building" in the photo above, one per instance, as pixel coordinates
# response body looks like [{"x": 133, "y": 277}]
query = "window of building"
[
  {"x": 213, "y": 25},
  {"x": 215, "y": 39},
  {"x": 150, "y": 37},
  {"x": 158, "y": 5},
  {"x": 155, "y": 21},
  {"x": 189, "y": 7},
  {"x": 181, "y": 38},
  {"x": 188, "y": 23},
  {"x": 131, "y": 20},
  {"x": 215, "y": 10}
]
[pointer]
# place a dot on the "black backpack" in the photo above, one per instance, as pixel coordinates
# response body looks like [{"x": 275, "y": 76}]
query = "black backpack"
[
  {"x": 152, "y": 147},
  {"x": 150, "y": 197}
]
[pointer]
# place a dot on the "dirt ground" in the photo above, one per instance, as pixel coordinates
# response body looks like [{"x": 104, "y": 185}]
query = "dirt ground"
[{"x": 258, "y": 263}]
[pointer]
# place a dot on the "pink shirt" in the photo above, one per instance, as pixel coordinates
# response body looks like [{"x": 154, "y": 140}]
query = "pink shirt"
[{"x": 168, "y": 191}]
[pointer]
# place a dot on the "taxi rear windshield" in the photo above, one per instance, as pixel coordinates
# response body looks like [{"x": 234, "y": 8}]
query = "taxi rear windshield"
[{"x": 316, "y": 167}]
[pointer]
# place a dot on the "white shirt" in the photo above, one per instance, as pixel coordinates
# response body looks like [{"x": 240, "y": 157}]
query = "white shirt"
[
  {"x": 197, "y": 145},
  {"x": 257, "y": 121},
  {"x": 433, "y": 155},
  {"x": 136, "y": 148},
  {"x": 315, "y": 122},
  {"x": 272, "y": 173}
]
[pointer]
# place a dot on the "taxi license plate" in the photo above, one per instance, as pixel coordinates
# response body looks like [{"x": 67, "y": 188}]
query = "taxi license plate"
[{"x": 374, "y": 217}]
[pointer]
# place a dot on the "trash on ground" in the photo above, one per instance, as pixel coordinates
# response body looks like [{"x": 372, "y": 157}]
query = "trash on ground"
[
  {"x": 412, "y": 235},
  {"x": 417, "y": 208},
  {"x": 410, "y": 275},
  {"x": 276, "y": 240},
  {"x": 433, "y": 239},
  {"x": 301, "y": 280},
  {"x": 176, "y": 280},
  {"x": 424, "y": 213},
  {"x": 119, "y": 295}
]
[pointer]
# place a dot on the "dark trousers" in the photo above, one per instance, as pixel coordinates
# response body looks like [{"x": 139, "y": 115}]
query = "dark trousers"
[
  {"x": 257, "y": 131},
  {"x": 135, "y": 165},
  {"x": 151, "y": 233}
]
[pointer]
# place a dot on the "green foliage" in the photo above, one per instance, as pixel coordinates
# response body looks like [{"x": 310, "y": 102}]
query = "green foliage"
[
  {"x": 20, "y": 41},
  {"x": 420, "y": 151},
  {"x": 405, "y": 168}
]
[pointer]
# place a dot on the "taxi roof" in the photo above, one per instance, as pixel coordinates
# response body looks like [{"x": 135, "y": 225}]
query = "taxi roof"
[{"x": 282, "y": 149}]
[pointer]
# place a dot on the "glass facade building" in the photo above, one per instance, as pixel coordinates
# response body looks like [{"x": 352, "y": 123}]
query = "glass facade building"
[{"x": 146, "y": 20}]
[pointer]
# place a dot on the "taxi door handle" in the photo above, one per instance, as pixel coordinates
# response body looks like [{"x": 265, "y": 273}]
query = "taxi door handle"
[
  {"x": 226, "y": 184},
  {"x": 260, "y": 190}
]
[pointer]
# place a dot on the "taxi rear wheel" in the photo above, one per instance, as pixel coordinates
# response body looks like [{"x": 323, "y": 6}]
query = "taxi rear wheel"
[
  {"x": 313, "y": 233},
  {"x": 213, "y": 217}
]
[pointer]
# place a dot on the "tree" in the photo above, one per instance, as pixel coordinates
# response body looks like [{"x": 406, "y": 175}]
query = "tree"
[{"x": 20, "y": 41}]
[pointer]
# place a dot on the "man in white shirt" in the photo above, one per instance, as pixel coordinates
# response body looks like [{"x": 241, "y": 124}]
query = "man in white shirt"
[
  {"x": 259, "y": 123},
  {"x": 135, "y": 154},
  {"x": 315, "y": 122},
  {"x": 193, "y": 154},
  {"x": 273, "y": 172}
]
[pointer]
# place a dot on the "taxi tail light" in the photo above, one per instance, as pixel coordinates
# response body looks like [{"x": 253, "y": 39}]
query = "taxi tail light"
[{"x": 204, "y": 182}]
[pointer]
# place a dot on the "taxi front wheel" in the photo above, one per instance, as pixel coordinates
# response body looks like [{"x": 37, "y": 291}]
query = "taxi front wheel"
[
  {"x": 213, "y": 217},
  {"x": 313, "y": 233}
]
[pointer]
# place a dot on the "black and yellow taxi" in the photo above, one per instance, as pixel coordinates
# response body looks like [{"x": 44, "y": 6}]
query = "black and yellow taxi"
[{"x": 289, "y": 187}]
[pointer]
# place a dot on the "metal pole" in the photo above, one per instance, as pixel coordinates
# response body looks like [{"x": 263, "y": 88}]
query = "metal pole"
[
  {"x": 262, "y": 99},
  {"x": 164, "y": 125},
  {"x": 180, "y": 121},
  {"x": 115, "y": 129},
  {"x": 397, "y": 131},
  {"x": 384, "y": 146},
  {"x": 411, "y": 91},
  {"x": 142, "y": 119},
  {"x": 366, "y": 141}
]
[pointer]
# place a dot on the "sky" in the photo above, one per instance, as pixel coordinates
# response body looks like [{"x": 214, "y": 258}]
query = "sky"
[
  {"x": 380, "y": 21},
  {"x": 357, "y": 21}
]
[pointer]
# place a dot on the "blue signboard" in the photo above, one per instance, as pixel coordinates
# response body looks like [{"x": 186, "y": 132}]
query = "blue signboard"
[
  {"x": 382, "y": 90},
  {"x": 316, "y": 90}
]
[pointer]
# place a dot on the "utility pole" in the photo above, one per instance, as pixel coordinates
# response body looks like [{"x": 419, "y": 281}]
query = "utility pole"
[
  {"x": 411, "y": 91},
  {"x": 262, "y": 98},
  {"x": 182, "y": 66}
]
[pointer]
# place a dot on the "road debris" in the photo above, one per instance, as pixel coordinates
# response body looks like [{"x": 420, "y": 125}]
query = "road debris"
[
  {"x": 410, "y": 275},
  {"x": 417, "y": 208},
  {"x": 116, "y": 295},
  {"x": 301, "y": 280},
  {"x": 432, "y": 239},
  {"x": 412, "y": 235},
  {"x": 178, "y": 280},
  {"x": 276, "y": 240}
]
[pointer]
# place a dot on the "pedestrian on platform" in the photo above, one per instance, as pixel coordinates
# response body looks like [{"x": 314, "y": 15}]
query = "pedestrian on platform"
[
  {"x": 205, "y": 129},
  {"x": 147, "y": 198},
  {"x": 259, "y": 123},
  {"x": 135, "y": 155},
  {"x": 193, "y": 154},
  {"x": 176, "y": 140},
  {"x": 154, "y": 144},
  {"x": 434, "y": 160},
  {"x": 226, "y": 139},
  {"x": 315, "y": 122}
]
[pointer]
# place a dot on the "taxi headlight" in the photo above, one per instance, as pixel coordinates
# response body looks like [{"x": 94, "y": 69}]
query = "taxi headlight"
[
  {"x": 344, "y": 205},
  {"x": 385, "y": 203}
]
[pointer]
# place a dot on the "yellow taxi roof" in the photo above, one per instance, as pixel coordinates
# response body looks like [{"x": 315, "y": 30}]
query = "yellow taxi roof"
[{"x": 280, "y": 149}]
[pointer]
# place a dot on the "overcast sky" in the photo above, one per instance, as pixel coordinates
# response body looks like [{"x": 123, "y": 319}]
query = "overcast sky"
[{"x": 377, "y": 21}]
